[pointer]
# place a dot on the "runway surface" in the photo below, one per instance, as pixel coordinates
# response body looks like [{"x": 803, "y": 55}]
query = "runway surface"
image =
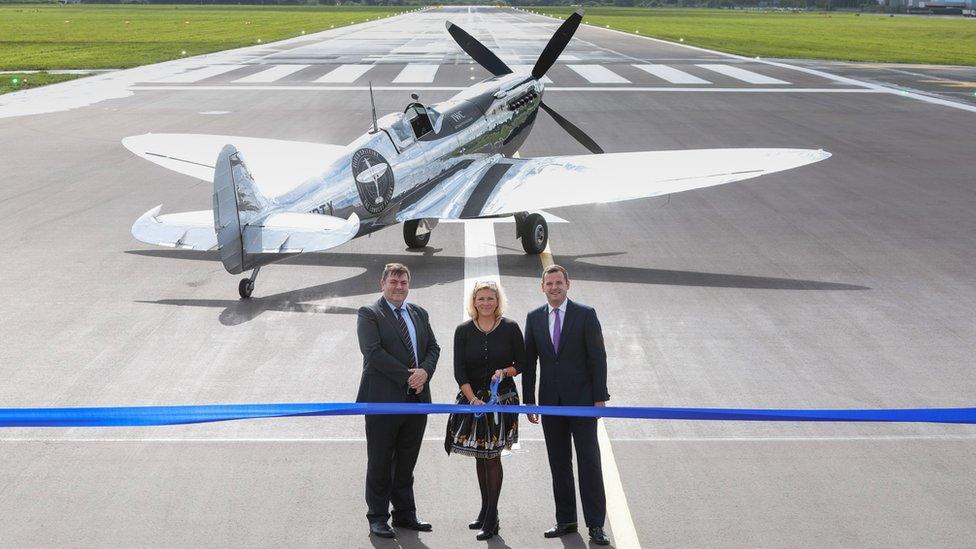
[{"x": 847, "y": 283}]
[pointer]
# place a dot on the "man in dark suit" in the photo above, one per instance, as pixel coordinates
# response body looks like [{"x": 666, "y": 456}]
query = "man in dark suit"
[
  {"x": 567, "y": 340},
  {"x": 399, "y": 357}
]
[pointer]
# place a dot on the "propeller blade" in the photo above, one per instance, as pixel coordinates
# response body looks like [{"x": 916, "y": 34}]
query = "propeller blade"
[
  {"x": 572, "y": 130},
  {"x": 557, "y": 44},
  {"x": 478, "y": 51}
]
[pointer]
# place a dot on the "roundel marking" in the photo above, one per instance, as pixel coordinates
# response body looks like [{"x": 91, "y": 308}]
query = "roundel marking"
[{"x": 374, "y": 179}]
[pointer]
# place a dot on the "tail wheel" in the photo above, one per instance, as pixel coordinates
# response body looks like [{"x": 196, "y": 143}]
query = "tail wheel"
[
  {"x": 410, "y": 236},
  {"x": 245, "y": 287},
  {"x": 535, "y": 234}
]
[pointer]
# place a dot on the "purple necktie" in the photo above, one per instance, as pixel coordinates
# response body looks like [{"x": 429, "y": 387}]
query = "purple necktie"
[{"x": 557, "y": 327}]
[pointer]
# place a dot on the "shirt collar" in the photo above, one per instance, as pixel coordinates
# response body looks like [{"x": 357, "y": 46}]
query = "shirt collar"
[
  {"x": 561, "y": 307},
  {"x": 393, "y": 307}
]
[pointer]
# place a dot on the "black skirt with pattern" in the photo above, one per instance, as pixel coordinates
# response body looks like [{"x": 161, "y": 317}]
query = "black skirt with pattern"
[{"x": 488, "y": 435}]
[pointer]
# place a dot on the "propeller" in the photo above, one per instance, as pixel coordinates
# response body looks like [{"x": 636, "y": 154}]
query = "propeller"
[
  {"x": 557, "y": 44},
  {"x": 478, "y": 51},
  {"x": 573, "y": 130}
]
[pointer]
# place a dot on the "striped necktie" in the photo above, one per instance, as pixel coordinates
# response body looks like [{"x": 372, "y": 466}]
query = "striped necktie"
[{"x": 405, "y": 334}]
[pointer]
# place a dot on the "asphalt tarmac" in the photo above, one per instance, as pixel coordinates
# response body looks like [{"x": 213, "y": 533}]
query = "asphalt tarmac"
[{"x": 843, "y": 284}]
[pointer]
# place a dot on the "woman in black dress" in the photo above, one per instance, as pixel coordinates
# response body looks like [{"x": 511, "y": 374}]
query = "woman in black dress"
[{"x": 487, "y": 347}]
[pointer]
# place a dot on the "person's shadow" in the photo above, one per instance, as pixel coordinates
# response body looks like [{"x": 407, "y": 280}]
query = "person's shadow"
[{"x": 431, "y": 269}]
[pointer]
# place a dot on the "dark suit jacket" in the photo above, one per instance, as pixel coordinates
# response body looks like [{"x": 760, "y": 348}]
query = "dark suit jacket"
[
  {"x": 576, "y": 373},
  {"x": 386, "y": 356}
]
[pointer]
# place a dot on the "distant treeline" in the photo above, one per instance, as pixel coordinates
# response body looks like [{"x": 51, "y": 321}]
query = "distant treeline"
[{"x": 872, "y": 5}]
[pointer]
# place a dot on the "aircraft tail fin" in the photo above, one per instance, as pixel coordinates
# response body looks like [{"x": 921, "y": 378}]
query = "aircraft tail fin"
[{"x": 236, "y": 202}]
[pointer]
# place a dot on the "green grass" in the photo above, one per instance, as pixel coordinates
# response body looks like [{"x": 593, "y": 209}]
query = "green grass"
[
  {"x": 15, "y": 82},
  {"x": 800, "y": 35},
  {"x": 122, "y": 36}
]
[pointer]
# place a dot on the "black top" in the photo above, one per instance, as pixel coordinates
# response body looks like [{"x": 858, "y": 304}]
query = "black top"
[{"x": 477, "y": 355}]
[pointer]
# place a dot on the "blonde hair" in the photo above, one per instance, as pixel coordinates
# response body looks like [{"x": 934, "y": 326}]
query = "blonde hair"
[{"x": 499, "y": 296}]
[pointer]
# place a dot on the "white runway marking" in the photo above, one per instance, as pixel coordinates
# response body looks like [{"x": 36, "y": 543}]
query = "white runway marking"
[
  {"x": 672, "y": 74},
  {"x": 480, "y": 257},
  {"x": 345, "y": 74},
  {"x": 618, "y": 512},
  {"x": 199, "y": 74},
  {"x": 276, "y": 72},
  {"x": 560, "y": 89},
  {"x": 598, "y": 74},
  {"x": 741, "y": 74},
  {"x": 417, "y": 72}
]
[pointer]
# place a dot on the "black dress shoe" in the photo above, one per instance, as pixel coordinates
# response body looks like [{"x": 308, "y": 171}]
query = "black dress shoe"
[
  {"x": 476, "y": 524},
  {"x": 413, "y": 524},
  {"x": 488, "y": 534},
  {"x": 561, "y": 530},
  {"x": 598, "y": 536},
  {"x": 381, "y": 529}
]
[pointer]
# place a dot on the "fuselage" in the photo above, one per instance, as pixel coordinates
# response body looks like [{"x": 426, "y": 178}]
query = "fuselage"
[{"x": 384, "y": 172}]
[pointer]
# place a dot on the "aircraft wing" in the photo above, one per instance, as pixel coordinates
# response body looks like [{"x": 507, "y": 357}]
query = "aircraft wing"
[
  {"x": 284, "y": 232},
  {"x": 511, "y": 185},
  {"x": 279, "y": 165}
]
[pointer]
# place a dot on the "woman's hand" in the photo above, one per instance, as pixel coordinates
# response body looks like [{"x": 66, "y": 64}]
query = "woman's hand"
[
  {"x": 499, "y": 375},
  {"x": 476, "y": 402}
]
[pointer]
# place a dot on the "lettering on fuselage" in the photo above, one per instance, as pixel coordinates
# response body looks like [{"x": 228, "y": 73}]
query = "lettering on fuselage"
[
  {"x": 374, "y": 179},
  {"x": 457, "y": 116}
]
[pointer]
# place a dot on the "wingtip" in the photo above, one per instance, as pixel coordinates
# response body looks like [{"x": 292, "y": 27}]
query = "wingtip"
[
  {"x": 580, "y": 12},
  {"x": 448, "y": 25}
]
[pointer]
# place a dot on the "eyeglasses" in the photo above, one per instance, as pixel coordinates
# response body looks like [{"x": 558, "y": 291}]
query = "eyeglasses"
[{"x": 487, "y": 284}]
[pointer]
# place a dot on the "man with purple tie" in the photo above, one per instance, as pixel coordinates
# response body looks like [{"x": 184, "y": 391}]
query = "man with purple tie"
[{"x": 566, "y": 339}]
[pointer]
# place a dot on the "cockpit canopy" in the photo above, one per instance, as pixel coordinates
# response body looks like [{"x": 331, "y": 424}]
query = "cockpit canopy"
[{"x": 418, "y": 116}]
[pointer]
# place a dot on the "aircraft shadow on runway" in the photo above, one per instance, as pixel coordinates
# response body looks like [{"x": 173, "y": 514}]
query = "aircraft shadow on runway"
[{"x": 435, "y": 270}]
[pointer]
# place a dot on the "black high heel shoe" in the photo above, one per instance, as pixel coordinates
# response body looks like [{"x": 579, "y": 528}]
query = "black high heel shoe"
[{"x": 488, "y": 534}]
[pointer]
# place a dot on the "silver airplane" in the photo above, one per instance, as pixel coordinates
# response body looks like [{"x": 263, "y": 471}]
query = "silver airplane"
[{"x": 449, "y": 160}]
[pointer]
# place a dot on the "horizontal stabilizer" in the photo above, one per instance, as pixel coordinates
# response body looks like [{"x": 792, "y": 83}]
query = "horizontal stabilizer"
[
  {"x": 290, "y": 233},
  {"x": 187, "y": 230}
]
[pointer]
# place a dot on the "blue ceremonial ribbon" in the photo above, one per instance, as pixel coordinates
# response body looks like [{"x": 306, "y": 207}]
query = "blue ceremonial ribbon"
[{"x": 141, "y": 416}]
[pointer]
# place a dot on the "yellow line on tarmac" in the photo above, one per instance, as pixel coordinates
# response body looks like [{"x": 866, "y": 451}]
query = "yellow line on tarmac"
[{"x": 621, "y": 521}]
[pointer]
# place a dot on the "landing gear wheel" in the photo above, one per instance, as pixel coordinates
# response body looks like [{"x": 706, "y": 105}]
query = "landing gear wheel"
[
  {"x": 411, "y": 237},
  {"x": 245, "y": 288},
  {"x": 534, "y": 234}
]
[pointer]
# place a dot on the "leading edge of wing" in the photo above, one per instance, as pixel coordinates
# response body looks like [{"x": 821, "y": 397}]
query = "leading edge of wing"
[
  {"x": 552, "y": 182},
  {"x": 279, "y": 165}
]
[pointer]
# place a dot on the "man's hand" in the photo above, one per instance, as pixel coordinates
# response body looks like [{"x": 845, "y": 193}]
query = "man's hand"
[
  {"x": 533, "y": 418},
  {"x": 601, "y": 403},
  {"x": 417, "y": 379}
]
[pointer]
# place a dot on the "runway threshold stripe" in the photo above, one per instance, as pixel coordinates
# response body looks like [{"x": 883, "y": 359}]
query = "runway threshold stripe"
[
  {"x": 741, "y": 74},
  {"x": 671, "y": 74},
  {"x": 618, "y": 512},
  {"x": 197, "y": 75},
  {"x": 417, "y": 72},
  {"x": 345, "y": 74},
  {"x": 598, "y": 74},
  {"x": 557, "y": 89},
  {"x": 273, "y": 74}
]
